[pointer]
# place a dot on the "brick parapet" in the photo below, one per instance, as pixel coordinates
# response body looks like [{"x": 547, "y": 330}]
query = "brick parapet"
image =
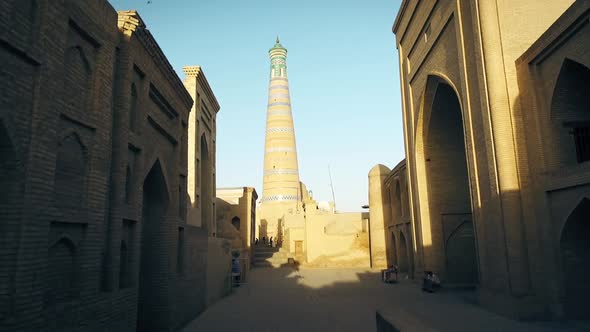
[
  {"x": 132, "y": 24},
  {"x": 197, "y": 72},
  {"x": 37, "y": 117}
]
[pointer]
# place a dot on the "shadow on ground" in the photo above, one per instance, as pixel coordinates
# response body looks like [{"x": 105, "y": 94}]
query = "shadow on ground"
[{"x": 293, "y": 298}]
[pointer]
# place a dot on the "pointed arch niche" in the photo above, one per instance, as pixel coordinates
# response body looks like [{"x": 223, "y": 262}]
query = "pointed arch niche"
[
  {"x": 575, "y": 261},
  {"x": 70, "y": 172},
  {"x": 570, "y": 114},
  {"x": 443, "y": 185},
  {"x": 153, "y": 264}
]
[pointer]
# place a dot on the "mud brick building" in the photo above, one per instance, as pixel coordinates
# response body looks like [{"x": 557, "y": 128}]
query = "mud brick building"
[
  {"x": 497, "y": 137},
  {"x": 391, "y": 225},
  {"x": 93, "y": 173}
]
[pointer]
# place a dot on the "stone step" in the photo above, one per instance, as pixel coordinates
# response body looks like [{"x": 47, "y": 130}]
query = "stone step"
[
  {"x": 272, "y": 259},
  {"x": 275, "y": 264},
  {"x": 266, "y": 254},
  {"x": 281, "y": 259},
  {"x": 269, "y": 262},
  {"x": 265, "y": 249},
  {"x": 263, "y": 256},
  {"x": 277, "y": 258},
  {"x": 266, "y": 265}
]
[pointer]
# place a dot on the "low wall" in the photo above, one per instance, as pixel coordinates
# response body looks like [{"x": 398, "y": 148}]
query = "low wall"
[
  {"x": 336, "y": 240},
  {"x": 191, "y": 283},
  {"x": 218, "y": 269}
]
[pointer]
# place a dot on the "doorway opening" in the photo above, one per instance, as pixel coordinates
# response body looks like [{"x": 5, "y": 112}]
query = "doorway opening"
[
  {"x": 575, "y": 257},
  {"x": 449, "y": 197},
  {"x": 153, "y": 261}
]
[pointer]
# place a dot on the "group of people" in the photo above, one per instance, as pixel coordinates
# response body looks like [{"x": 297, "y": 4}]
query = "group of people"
[{"x": 268, "y": 242}]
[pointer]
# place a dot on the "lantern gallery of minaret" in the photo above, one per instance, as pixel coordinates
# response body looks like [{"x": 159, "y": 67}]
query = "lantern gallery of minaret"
[{"x": 281, "y": 188}]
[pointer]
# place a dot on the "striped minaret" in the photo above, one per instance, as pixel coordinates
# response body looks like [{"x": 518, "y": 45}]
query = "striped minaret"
[{"x": 280, "y": 193}]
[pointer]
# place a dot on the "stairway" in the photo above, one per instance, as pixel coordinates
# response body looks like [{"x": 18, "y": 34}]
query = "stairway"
[{"x": 265, "y": 256}]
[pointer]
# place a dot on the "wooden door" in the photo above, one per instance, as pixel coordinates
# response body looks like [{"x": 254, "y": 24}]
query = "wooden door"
[{"x": 298, "y": 248}]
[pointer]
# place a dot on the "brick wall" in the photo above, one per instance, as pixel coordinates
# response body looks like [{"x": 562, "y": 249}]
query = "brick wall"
[
  {"x": 92, "y": 116},
  {"x": 520, "y": 168}
]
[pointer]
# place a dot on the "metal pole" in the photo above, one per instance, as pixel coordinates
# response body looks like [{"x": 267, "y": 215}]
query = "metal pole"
[{"x": 332, "y": 187}]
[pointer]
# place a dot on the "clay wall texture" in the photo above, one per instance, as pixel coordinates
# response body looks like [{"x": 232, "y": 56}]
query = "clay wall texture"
[
  {"x": 201, "y": 157},
  {"x": 399, "y": 236},
  {"x": 93, "y": 125},
  {"x": 236, "y": 215},
  {"x": 487, "y": 157},
  {"x": 335, "y": 240},
  {"x": 379, "y": 213}
]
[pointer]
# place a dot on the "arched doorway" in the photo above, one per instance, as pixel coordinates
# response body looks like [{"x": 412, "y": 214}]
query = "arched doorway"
[
  {"x": 70, "y": 173},
  {"x": 152, "y": 310},
  {"x": 206, "y": 193},
  {"x": 61, "y": 276},
  {"x": 403, "y": 254},
  {"x": 393, "y": 250},
  {"x": 447, "y": 182},
  {"x": 461, "y": 268},
  {"x": 575, "y": 259}
]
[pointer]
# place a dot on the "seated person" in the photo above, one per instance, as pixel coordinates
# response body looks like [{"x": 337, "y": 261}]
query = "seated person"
[{"x": 386, "y": 275}]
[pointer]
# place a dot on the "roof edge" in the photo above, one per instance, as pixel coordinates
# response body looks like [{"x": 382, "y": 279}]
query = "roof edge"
[
  {"x": 197, "y": 71},
  {"x": 130, "y": 23},
  {"x": 400, "y": 13}
]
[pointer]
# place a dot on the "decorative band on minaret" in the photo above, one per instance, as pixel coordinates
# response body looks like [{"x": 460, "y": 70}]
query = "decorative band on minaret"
[{"x": 281, "y": 172}]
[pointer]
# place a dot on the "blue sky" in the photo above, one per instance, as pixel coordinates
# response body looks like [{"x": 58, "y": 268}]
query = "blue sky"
[{"x": 343, "y": 76}]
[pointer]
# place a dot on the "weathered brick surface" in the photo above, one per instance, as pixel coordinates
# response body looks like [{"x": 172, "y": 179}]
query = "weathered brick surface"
[
  {"x": 397, "y": 228},
  {"x": 515, "y": 173},
  {"x": 92, "y": 116},
  {"x": 202, "y": 131},
  {"x": 379, "y": 214},
  {"x": 553, "y": 101}
]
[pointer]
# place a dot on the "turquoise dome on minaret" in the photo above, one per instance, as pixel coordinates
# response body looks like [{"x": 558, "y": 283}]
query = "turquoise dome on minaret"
[{"x": 277, "y": 46}]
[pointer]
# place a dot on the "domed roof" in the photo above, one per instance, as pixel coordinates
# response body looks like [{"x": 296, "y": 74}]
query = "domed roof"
[
  {"x": 379, "y": 169},
  {"x": 278, "y": 45}
]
